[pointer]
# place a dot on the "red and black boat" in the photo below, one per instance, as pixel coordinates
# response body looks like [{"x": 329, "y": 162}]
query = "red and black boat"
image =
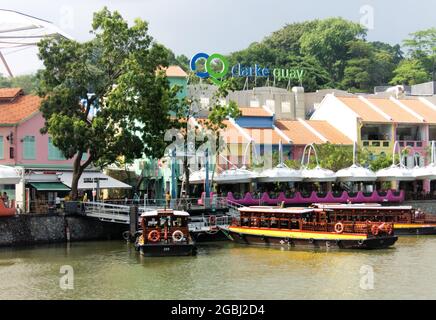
[
  {"x": 165, "y": 233},
  {"x": 406, "y": 219}
]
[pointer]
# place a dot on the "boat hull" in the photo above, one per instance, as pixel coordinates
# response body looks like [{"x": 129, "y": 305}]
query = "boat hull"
[
  {"x": 167, "y": 250},
  {"x": 411, "y": 229},
  {"x": 307, "y": 242}
]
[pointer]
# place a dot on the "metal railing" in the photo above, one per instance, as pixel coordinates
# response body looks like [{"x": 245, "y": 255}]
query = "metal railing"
[{"x": 107, "y": 212}]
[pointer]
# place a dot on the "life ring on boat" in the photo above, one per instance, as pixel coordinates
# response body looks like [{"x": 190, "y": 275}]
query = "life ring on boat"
[
  {"x": 177, "y": 236},
  {"x": 389, "y": 229},
  {"x": 339, "y": 227},
  {"x": 374, "y": 230},
  {"x": 153, "y": 236},
  {"x": 212, "y": 220}
]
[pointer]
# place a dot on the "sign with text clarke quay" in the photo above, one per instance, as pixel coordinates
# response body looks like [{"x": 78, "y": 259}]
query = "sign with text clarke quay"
[{"x": 239, "y": 70}]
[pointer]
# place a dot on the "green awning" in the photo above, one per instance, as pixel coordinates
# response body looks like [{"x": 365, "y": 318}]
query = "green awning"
[{"x": 50, "y": 186}]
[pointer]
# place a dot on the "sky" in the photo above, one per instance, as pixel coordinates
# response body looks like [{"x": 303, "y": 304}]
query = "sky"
[{"x": 222, "y": 26}]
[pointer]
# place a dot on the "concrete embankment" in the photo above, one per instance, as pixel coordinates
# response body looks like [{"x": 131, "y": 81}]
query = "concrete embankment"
[{"x": 32, "y": 229}]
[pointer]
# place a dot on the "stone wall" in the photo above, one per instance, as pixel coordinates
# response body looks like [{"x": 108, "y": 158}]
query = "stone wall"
[
  {"x": 428, "y": 206},
  {"x": 43, "y": 228}
]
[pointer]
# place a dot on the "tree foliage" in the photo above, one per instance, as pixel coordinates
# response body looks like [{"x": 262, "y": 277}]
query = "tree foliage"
[
  {"x": 103, "y": 97},
  {"x": 27, "y": 82}
]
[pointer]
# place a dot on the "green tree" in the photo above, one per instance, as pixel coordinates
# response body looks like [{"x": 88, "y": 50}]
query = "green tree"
[
  {"x": 329, "y": 43},
  {"x": 102, "y": 97},
  {"x": 27, "y": 82},
  {"x": 410, "y": 72},
  {"x": 422, "y": 46},
  {"x": 369, "y": 65}
]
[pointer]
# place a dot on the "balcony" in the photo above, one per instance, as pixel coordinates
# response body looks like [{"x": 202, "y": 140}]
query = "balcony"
[
  {"x": 376, "y": 143},
  {"x": 411, "y": 143}
]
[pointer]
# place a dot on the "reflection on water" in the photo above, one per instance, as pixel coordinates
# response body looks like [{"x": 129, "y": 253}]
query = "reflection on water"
[{"x": 114, "y": 270}]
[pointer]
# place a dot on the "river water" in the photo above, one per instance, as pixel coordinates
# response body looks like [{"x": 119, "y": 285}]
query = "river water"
[{"x": 221, "y": 270}]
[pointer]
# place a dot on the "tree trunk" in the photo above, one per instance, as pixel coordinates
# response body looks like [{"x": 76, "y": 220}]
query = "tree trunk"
[
  {"x": 76, "y": 176},
  {"x": 78, "y": 169}
]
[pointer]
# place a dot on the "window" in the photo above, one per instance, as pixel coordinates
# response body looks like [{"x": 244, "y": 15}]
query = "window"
[
  {"x": 2, "y": 147},
  {"x": 53, "y": 152},
  {"x": 286, "y": 106},
  {"x": 29, "y": 148}
]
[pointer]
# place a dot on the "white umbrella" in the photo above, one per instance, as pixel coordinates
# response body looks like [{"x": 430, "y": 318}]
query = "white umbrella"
[
  {"x": 316, "y": 174},
  {"x": 9, "y": 175},
  {"x": 356, "y": 173},
  {"x": 235, "y": 175},
  {"x": 429, "y": 171},
  {"x": 199, "y": 176},
  {"x": 396, "y": 172},
  {"x": 281, "y": 173}
]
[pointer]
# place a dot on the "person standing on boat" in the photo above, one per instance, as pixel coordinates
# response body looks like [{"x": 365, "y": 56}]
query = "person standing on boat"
[{"x": 167, "y": 199}]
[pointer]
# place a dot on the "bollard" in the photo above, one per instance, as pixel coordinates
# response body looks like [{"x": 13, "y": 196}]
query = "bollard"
[{"x": 133, "y": 222}]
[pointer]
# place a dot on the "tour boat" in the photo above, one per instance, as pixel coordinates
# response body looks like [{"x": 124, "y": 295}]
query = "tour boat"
[
  {"x": 406, "y": 219},
  {"x": 310, "y": 227},
  {"x": 165, "y": 232}
]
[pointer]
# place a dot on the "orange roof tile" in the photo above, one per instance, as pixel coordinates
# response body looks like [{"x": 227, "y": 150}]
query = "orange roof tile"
[
  {"x": 422, "y": 109},
  {"x": 329, "y": 132},
  {"x": 362, "y": 109},
  {"x": 20, "y": 108},
  {"x": 394, "y": 111},
  {"x": 232, "y": 135},
  {"x": 265, "y": 136},
  {"x": 9, "y": 93},
  {"x": 297, "y": 132},
  {"x": 175, "y": 71},
  {"x": 254, "y": 112}
]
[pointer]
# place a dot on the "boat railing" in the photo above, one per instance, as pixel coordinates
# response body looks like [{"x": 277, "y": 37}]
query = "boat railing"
[{"x": 347, "y": 227}]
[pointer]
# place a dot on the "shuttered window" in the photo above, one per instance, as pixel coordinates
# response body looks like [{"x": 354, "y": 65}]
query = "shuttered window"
[
  {"x": 29, "y": 148},
  {"x": 53, "y": 152},
  {"x": 2, "y": 148}
]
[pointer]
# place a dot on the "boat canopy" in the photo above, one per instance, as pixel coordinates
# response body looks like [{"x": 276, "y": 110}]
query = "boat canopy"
[
  {"x": 155, "y": 213},
  {"x": 267, "y": 209},
  {"x": 360, "y": 206}
]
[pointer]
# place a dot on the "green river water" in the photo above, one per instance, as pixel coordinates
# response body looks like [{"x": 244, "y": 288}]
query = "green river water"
[{"x": 221, "y": 270}]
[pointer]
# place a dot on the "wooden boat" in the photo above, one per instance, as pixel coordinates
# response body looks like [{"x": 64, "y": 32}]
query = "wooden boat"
[
  {"x": 406, "y": 220},
  {"x": 165, "y": 233},
  {"x": 309, "y": 227}
]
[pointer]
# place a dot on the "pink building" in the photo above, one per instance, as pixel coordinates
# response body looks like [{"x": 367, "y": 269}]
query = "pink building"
[{"x": 46, "y": 172}]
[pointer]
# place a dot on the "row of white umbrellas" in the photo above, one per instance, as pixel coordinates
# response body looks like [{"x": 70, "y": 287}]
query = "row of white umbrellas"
[{"x": 354, "y": 173}]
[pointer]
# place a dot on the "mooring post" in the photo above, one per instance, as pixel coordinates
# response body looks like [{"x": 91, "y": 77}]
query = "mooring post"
[{"x": 133, "y": 221}]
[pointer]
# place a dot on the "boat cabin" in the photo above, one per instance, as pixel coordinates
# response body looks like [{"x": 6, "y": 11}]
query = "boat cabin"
[
  {"x": 374, "y": 212},
  {"x": 165, "y": 226},
  {"x": 302, "y": 219}
]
